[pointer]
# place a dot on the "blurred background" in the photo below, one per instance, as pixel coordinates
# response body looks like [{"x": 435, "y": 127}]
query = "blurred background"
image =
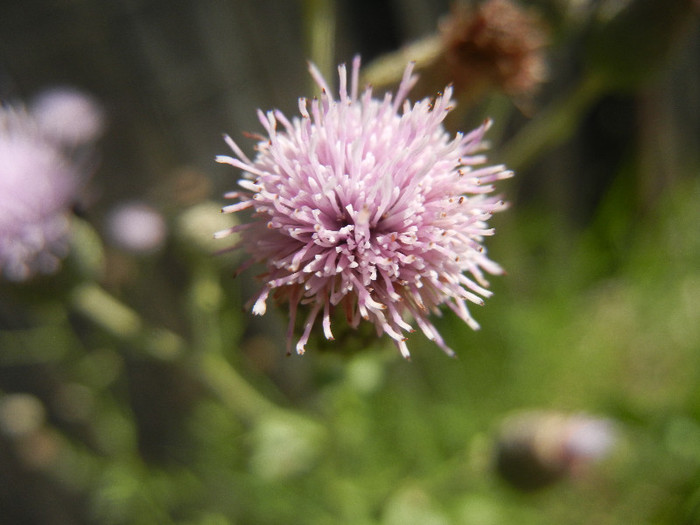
[{"x": 135, "y": 388}]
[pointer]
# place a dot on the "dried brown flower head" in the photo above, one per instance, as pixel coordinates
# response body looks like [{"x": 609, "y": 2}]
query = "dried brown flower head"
[{"x": 494, "y": 44}]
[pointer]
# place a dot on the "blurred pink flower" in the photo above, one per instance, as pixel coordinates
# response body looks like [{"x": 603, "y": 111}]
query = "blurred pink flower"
[
  {"x": 137, "y": 227},
  {"x": 37, "y": 188},
  {"x": 68, "y": 116},
  {"x": 368, "y": 205}
]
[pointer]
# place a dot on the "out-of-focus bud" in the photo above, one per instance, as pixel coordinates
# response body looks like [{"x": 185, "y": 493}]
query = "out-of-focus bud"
[
  {"x": 87, "y": 250},
  {"x": 205, "y": 216},
  {"x": 492, "y": 45},
  {"x": 496, "y": 44},
  {"x": 23, "y": 421},
  {"x": 285, "y": 445},
  {"x": 68, "y": 116},
  {"x": 631, "y": 43},
  {"x": 537, "y": 449},
  {"x": 20, "y": 415},
  {"x": 137, "y": 227}
]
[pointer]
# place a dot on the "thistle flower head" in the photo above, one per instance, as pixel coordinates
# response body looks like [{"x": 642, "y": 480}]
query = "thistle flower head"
[
  {"x": 37, "y": 187},
  {"x": 369, "y": 206}
]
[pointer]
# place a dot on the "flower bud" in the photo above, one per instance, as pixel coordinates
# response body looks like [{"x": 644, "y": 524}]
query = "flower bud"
[
  {"x": 137, "y": 227},
  {"x": 537, "y": 449},
  {"x": 68, "y": 116},
  {"x": 493, "y": 45}
]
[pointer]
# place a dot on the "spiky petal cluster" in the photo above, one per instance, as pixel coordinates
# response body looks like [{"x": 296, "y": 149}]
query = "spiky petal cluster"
[{"x": 368, "y": 205}]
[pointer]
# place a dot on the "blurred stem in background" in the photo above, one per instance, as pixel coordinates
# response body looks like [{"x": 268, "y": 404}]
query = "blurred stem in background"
[
  {"x": 207, "y": 358},
  {"x": 207, "y": 361},
  {"x": 552, "y": 126},
  {"x": 319, "y": 21},
  {"x": 619, "y": 57},
  {"x": 124, "y": 323}
]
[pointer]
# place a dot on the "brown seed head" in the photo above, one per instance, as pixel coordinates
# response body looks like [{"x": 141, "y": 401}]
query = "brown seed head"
[{"x": 495, "y": 44}]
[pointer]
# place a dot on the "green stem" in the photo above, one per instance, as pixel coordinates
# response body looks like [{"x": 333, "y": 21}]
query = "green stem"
[
  {"x": 319, "y": 25},
  {"x": 214, "y": 370},
  {"x": 106, "y": 311},
  {"x": 124, "y": 323},
  {"x": 552, "y": 126},
  {"x": 231, "y": 388}
]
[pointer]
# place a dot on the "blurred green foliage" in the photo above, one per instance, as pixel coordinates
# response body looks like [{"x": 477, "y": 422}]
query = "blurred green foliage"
[{"x": 154, "y": 396}]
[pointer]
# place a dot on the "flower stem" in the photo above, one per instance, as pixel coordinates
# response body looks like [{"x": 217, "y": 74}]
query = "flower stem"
[
  {"x": 231, "y": 388},
  {"x": 319, "y": 22},
  {"x": 106, "y": 311},
  {"x": 552, "y": 126},
  {"x": 222, "y": 379},
  {"x": 210, "y": 366}
]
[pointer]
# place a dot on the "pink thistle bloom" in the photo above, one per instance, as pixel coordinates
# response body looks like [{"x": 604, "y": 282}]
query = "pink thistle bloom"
[
  {"x": 368, "y": 205},
  {"x": 37, "y": 188}
]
